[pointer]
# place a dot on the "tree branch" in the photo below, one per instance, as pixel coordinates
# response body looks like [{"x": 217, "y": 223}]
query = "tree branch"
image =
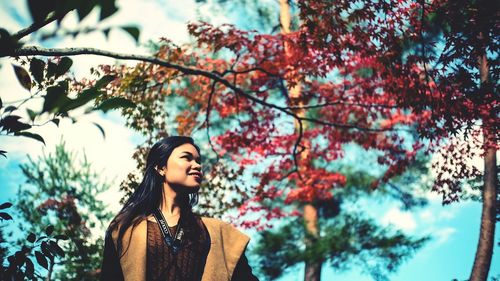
[
  {"x": 207, "y": 119},
  {"x": 231, "y": 71},
  {"x": 39, "y": 51},
  {"x": 34, "y": 27},
  {"x": 295, "y": 150},
  {"x": 341, "y": 103}
]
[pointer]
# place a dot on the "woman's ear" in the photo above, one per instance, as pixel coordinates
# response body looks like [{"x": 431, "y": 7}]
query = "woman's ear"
[{"x": 160, "y": 171}]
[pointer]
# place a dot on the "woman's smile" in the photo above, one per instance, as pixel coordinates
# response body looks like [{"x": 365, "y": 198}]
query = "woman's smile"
[{"x": 197, "y": 177}]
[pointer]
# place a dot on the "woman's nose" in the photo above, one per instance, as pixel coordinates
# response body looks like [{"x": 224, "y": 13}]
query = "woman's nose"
[{"x": 197, "y": 165}]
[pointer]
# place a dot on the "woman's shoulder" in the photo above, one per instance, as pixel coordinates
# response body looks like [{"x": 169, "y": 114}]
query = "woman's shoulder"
[
  {"x": 220, "y": 226},
  {"x": 214, "y": 221},
  {"x": 211, "y": 220},
  {"x": 139, "y": 224}
]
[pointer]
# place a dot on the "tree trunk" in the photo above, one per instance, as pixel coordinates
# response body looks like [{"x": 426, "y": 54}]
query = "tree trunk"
[
  {"x": 484, "y": 250},
  {"x": 312, "y": 268},
  {"x": 310, "y": 214}
]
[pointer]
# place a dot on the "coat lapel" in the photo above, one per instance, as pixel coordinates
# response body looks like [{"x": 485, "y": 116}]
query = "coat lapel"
[
  {"x": 133, "y": 263},
  {"x": 226, "y": 247}
]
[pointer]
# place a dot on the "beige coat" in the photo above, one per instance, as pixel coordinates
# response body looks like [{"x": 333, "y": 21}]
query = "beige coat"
[{"x": 227, "y": 246}]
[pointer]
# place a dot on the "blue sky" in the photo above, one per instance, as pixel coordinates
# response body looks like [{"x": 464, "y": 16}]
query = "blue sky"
[{"x": 455, "y": 228}]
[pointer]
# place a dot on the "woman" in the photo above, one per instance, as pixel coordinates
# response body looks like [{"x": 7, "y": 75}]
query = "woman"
[{"x": 156, "y": 236}]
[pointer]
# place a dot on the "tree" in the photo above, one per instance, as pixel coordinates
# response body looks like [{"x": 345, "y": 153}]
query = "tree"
[
  {"x": 149, "y": 85},
  {"x": 19, "y": 265},
  {"x": 63, "y": 191},
  {"x": 348, "y": 238},
  {"x": 443, "y": 58},
  {"x": 49, "y": 79},
  {"x": 368, "y": 72}
]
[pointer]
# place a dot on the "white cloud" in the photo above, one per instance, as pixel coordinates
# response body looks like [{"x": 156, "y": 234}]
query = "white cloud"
[
  {"x": 443, "y": 235},
  {"x": 437, "y": 214},
  {"x": 402, "y": 220},
  {"x": 427, "y": 216},
  {"x": 447, "y": 214}
]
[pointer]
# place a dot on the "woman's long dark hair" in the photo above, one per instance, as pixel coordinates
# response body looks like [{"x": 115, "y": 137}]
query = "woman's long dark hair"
[{"x": 147, "y": 197}]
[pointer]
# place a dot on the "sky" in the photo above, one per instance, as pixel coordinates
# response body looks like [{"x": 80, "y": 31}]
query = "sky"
[{"x": 454, "y": 228}]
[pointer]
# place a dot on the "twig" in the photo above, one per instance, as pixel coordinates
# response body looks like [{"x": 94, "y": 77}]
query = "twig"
[
  {"x": 207, "y": 119},
  {"x": 34, "y": 27},
  {"x": 340, "y": 103},
  {"x": 295, "y": 153}
]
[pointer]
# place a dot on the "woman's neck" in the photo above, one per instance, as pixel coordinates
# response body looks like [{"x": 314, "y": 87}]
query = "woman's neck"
[{"x": 169, "y": 205}]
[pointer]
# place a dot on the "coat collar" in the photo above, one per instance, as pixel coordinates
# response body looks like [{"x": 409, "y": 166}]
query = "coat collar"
[{"x": 226, "y": 247}]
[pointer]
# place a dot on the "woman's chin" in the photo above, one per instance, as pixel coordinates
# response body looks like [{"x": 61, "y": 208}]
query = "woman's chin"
[
  {"x": 191, "y": 188},
  {"x": 195, "y": 188},
  {"x": 186, "y": 188}
]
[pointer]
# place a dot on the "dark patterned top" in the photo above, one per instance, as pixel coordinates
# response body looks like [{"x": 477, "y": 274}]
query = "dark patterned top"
[{"x": 188, "y": 263}]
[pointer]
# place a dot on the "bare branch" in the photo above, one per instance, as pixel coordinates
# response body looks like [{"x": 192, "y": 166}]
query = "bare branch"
[
  {"x": 348, "y": 126},
  {"x": 289, "y": 174},
  {"x": 295, "y": 152},
  {"x": 366, "y": 105},
  {"x": 237, "y": 102},
  {"x": 207, "y": 119},
  {"x": 249, "y": 70}
]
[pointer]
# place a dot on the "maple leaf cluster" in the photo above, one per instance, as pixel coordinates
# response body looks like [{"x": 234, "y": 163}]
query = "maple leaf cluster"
[{"x": 369, "y": 73}]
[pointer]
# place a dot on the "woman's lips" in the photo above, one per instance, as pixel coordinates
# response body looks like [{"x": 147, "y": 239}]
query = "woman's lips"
[{"x": 197, "y": 176}]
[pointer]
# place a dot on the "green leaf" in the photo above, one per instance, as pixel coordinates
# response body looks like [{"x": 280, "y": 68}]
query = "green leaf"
[
  {"x": 55, "y": 98},
  {"x": 3, "y": 153},
  {"x": 49, "y": 229},
  {"x": 31, "y": 237},
  {"x": 46, "y": 250},
  {"x": 56, "y": 249},
  {"x": 106, "y": 32},
  {"x": 132, "y": 31},
  {"x": 82, "y": 99},
  {"x": 30, "y": 268},
  {"x": 108, "y": 8},
  {"x": 23, "y": 77},
  {"x": 36, "y": 68},
  {"x": 19, "y": 257},
  {"x": 114, "y": 103},
  {"x": 8, "y": 43},
  {"x": 104, "y": 81},
  {"x": 5, "y": 216},
  {"x": 31, "y": 135},
  {"x": 63, "y": 66},
  {"x": 6, "y": 204},
  {"x": 40, "y": 9},
  {"x": 61, "y": 237},
  {"x": 32, "y": 114},
  {"x": 100, "y": 129},
  {"x": 40, "y": 258},
  {"x": 51, "y": 69},
  {"x": 10, "y": 108},
  {"x": 55, "y": 121},
  {"x": 12, "y": 124},
  {"x": 63, "y": 8},
  {"x": 84, "y": 8},
  {"x": 1, "y": 104}
]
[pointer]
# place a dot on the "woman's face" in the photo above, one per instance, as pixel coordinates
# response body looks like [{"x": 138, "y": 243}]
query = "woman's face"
[{"x": 184, "y": 168}]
